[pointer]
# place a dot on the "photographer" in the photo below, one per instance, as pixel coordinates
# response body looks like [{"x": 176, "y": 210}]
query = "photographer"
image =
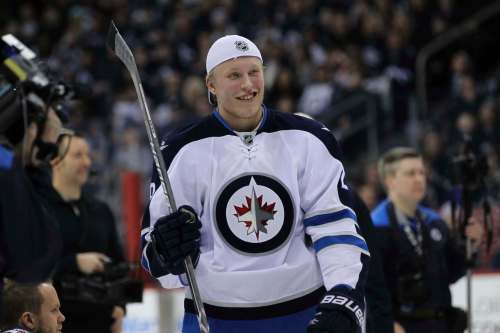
[
  {"x": 90, "y": 241},
  {"x": 421, "y": 257},
  {"x": 29, "y": 128}
]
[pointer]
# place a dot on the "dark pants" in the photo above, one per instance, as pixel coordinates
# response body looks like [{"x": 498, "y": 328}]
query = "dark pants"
[
  {"x": 425, "y": 325},
  {"x": 86, "y": 317}
]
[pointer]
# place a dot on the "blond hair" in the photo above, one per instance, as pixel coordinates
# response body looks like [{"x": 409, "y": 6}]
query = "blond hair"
[{"x": 387, "y": 163}]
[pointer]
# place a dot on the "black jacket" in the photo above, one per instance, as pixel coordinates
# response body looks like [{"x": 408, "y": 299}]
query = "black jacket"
[
  {"x": 443, "y": 261},
  {"x": 379, "y": 311},
  {"x": 86, "y": 225},
  {"x": 29, "y": 237}
]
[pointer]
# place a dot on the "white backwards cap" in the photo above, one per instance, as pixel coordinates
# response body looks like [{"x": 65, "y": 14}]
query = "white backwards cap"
[{"x": 230, "y": 47}]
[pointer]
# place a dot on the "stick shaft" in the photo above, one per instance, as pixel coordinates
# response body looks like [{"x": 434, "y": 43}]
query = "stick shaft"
[
  {"x": 121, "y": 49},
  {"x": 167, "y": 190}
]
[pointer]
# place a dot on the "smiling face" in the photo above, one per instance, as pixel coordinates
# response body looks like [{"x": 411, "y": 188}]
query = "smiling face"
[
  {"x": 75, "y": 165},
  {"x": 238, "y": 85}
]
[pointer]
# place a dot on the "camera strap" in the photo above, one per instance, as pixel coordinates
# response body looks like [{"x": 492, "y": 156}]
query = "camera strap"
[{"x": 414, "y": 235}]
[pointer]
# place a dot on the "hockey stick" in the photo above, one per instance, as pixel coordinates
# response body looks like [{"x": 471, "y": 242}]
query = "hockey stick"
[{"x": 120, "y": 48}]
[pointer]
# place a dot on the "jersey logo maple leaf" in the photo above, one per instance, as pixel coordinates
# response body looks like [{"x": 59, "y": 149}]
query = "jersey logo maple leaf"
[{"x": 255, "y": 215}]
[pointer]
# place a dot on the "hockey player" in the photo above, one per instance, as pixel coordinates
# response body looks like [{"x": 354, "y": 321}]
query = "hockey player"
[{"x": 264, "y": 212}]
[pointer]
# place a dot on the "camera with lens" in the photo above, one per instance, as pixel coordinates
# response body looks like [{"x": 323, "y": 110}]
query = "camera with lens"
[
  {"x": 28, "y": 88},
  {"x": 469, "y": 166},
  {"x": 112, "y": 286},
  {"x": 411, "y": 285},
  {"x": 412, "y": 289}
]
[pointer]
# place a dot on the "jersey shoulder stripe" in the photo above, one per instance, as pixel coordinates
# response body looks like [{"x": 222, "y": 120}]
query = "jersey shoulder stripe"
[
  {"x": 174, "y": 141},
  {"x": 278, "y": 121},
  {"x": 204, "y": 128}
]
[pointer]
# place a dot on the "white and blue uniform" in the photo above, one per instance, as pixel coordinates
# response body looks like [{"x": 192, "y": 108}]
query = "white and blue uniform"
[{"x": 277, "y": 228}]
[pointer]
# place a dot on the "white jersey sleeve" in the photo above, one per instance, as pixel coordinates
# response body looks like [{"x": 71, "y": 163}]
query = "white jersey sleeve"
[{"x": 329, "y": 219}]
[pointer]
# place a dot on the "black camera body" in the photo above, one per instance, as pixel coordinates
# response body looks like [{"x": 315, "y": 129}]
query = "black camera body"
[
  {"x": 27, "y": 89},
  {"x": 113, "y": 286},
  {"x": 411, "y": 289},
  {"x": 469, "y": 167}
]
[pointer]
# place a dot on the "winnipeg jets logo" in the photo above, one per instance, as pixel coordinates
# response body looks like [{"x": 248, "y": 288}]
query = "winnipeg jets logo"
[{"x": 254, "y": 213}]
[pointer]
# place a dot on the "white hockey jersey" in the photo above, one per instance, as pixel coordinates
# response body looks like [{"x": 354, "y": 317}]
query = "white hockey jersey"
[{"x": 277, "y": 226}]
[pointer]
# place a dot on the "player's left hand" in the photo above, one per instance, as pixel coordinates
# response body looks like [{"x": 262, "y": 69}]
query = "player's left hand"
[{"x": 339, "y": 311}]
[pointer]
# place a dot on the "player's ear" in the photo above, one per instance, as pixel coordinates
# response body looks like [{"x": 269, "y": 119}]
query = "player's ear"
[
  {"x": 28, "y": 320},
  {"x": 209, "y": 81}
]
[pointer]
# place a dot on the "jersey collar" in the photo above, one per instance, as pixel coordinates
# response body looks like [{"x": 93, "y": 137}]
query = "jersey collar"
[{"x": 217, "y": 116}]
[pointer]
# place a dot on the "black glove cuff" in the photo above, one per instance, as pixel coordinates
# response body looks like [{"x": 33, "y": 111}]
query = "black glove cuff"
[
  {"x": 157, "y": 265},
  {"x": 347, "y": 300},
  {"x": 163, "y": 266}
]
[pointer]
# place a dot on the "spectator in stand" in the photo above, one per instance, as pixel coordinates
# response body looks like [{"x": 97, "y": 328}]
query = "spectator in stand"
[
  {"x": 286, "y": 103},
  {"x": 317, "y": 95},
  {"x": 170, "y": 40},
  {"x": 368, "y": 194},
  {"x": 465, "y": 128},
  {"x": 467, "y": 99},
  {"x": 489, "y": 123},
  {"x": 284, "y": 85},
  {"x": 461, "y": 67},
  {"x": 437, "y": 166}
]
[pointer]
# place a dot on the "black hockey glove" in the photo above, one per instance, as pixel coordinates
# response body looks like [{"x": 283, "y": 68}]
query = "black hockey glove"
[
  {"x": 340, "y": 311},
  {"x": 175, "y": 237}
]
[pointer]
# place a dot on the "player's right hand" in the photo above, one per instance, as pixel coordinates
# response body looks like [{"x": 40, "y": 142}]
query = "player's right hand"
[{"x": 177, "y": 236}]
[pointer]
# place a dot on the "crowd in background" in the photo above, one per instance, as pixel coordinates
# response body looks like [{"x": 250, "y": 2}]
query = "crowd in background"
[{"x": 317, "y": 53}]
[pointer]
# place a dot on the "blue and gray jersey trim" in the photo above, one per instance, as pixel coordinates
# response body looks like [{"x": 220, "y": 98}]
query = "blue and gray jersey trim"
[
  {"x": 330, "y": 217},
  {"x": 327, "y": 241},
  {"x": 323, "y": 242}
]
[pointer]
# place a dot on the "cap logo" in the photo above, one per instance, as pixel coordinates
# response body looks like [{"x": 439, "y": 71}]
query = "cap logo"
[{"x": 241, "y": 45}]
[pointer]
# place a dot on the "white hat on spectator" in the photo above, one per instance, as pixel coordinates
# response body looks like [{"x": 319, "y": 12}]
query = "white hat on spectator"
[{"x": 230, "y": 47}]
